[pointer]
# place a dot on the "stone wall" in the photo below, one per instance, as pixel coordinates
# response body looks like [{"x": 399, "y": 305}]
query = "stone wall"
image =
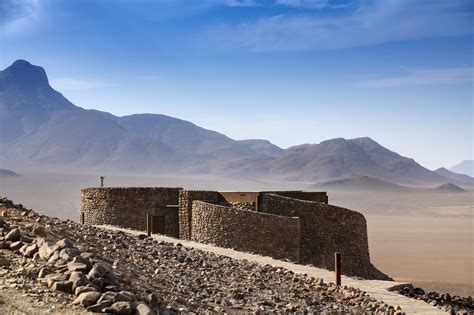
[
  {"x": 128, "y": 207},
  {"x": 317, "y": 196},
  {"x": 250, "y": 231},
  {"x": 186, "y": 198},
  {"x": 304, "y": 231},
  {"x": 326, "y": 229}
]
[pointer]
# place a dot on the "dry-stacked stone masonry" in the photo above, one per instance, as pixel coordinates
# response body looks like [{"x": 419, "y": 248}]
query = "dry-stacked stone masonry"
[
  {"x": 128, "y": 207},
  {"x": 186, "y": 199},
  {"x": 266, "y": 234},
  {"x": 294, "y": 225},
  {"x": 326, "y": 229}
]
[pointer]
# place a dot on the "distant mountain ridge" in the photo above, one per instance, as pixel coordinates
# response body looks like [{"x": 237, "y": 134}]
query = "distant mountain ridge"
[
  {"x": 459, "y": 178},
  {"x": 367, "y": 184},
  {"x": 344, "y": 158},
  {"x": 362, "y": 183},
  {"x": 448, "y": 188},
  {"x": 41, "y": 129},
  {"x": 7, "y": 173},
  {"x": 465, "y": 167}
]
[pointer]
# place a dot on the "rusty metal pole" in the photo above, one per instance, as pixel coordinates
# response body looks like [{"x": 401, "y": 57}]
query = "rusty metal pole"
[
  {"x": 337, "y": 265},
  {"x": 102, "y": 181},
  {"x": 148, "y": 224}
]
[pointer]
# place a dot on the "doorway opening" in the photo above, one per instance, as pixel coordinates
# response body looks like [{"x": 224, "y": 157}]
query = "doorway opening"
[{"x": 158, "y": 224}]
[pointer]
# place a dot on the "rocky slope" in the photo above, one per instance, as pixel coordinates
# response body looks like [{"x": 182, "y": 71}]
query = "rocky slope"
[{"x": 61, "y": 265}]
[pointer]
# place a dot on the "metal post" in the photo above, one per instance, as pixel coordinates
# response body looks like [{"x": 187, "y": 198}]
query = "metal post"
[
  {"x": 102, "y": 181},
  {"x": 151, "y": 224},
  {"x": 148, "y": 224},
  {"x": 337, "y": 257}
]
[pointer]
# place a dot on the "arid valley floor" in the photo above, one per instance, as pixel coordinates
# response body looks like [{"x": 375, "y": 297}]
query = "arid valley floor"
[{"x": 419, "y": 236}]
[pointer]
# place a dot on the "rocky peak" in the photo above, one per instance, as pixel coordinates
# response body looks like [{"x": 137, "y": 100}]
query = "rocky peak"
[{"x": 24, "y": 75}]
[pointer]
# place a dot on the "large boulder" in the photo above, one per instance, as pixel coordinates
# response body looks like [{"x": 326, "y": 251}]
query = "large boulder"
[
  {"x": 76, "y": 275},
  {"x": 13, "y": 236},
  {"x": 87, "y": 288},
  {"x": 16, "y": 245},
  {"x": 4, "y": 225},
  {"x": 87, "y": 298},
  {"x": 30, "y": 250},
  {"x": 39, "y": 230},
  {"x": 99, "y": 270},
  {"x": 124, "y": 296},
  {"x": 63, "y": 286},
  {"x": 77, "y": 266},
  {"x": 121, "y": 308},
  {"x": 143, "y": 309},
  {"x": 46, "y": 250},
  {"x": 69, "y": 253},
  {"x": 53, "y": 278},
  {"x": 63, "y": 243},
  {"x": 100, "y": 307}
]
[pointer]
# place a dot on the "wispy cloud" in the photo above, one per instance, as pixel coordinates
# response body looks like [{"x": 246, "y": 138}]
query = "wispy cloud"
[
  {"x": 19, "y": 15},
  {"x": 242, "y": 3},
  {"x": 423, "y": 77},
  {"x": 70, "y": 84},
  {"x": 369, "y": 23}
]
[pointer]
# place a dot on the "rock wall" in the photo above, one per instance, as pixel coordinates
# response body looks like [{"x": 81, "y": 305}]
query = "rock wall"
[
  {"x": 128, "y": 207},
  {"x": 250, "y": 231},
  {"x": 186, "y": 198},
  {"x": 303, "y": 231},
  {"x": 326, "y": 229}
]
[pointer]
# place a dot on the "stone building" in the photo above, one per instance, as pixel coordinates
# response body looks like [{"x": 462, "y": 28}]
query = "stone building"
[{"x": 295, "y": 225}]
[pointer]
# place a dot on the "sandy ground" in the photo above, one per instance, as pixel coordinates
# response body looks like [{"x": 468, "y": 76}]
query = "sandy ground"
[
  {"x": 425, "y": 238},
  {"x": 434, "y": 253}
]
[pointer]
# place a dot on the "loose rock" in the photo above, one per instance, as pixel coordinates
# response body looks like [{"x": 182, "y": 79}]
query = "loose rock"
[{"x": 87, "y": 299}]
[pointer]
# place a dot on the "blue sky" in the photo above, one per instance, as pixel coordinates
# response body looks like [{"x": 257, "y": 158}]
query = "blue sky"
[{"x": 291, "y": 71}]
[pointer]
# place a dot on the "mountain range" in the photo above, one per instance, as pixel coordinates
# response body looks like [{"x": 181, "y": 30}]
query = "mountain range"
[
  {"x": 7, "y": 173},
  {"x": 41, "y": 130},
  {"x": 367, "y": 184},
  {"x": 465, "y": 167}
]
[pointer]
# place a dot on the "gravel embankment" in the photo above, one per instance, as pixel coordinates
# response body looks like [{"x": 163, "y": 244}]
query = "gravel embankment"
[
  {"x": 453, "y": 304},
  {"x": 68, "y": 264}
]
